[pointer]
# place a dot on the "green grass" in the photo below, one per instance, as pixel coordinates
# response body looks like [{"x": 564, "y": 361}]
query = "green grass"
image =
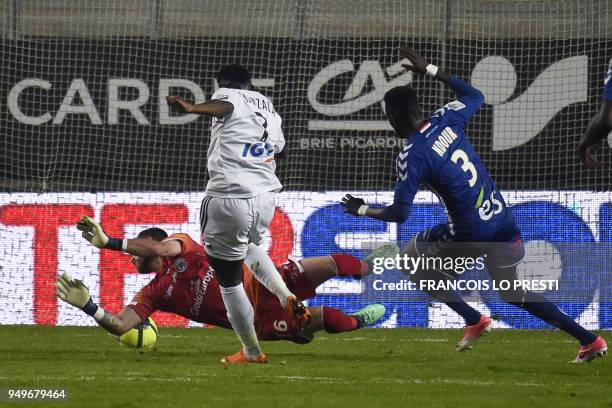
[{"x": 368, "y": 368}]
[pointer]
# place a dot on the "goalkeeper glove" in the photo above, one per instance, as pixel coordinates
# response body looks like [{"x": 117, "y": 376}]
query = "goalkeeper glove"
[
  {"x": 354, "y": 205},
  {"x": 75, "y": 293},
  {"x": 93, "y": 232}
]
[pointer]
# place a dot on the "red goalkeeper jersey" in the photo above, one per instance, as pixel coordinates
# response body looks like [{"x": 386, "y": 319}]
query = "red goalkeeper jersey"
[{"x": 186, "y": 286}]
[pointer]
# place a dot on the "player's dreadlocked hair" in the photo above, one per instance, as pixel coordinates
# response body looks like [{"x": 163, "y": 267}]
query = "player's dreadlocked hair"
[
  {"x": 234, "y": 76},
  {"x": 156, "y": 234},
  {"x": 402, "y": 107}
]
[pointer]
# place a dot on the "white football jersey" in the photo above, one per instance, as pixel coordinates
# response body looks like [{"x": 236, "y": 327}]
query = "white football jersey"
[{"x": 242, "y": 146}]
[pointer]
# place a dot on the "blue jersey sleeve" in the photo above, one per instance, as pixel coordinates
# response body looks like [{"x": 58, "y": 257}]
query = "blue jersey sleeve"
[
  {"x": 411, "y": 169},
  {"x": 607, "y": 92},
  {"x": 469, "y": 100}
]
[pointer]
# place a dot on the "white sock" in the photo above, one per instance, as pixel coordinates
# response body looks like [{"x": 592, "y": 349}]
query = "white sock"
[
  {"x": 241, "y": 316},
  {"x": 265, "y": 272}
]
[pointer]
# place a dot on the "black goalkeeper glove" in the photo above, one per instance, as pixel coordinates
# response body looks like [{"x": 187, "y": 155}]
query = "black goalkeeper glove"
[{"x": 354, "y": 205}]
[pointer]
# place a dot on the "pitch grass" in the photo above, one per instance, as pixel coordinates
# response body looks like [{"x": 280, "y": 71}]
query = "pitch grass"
[{"x": 368, "y": 368}]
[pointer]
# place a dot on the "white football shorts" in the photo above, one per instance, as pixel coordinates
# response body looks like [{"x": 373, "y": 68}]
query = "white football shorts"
[{"x": 229, "y": 225}]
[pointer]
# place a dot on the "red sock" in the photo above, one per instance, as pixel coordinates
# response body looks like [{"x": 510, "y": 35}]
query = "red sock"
[
  {"x": 348, "y": 265},
  {"x": 334, "y": 321}
]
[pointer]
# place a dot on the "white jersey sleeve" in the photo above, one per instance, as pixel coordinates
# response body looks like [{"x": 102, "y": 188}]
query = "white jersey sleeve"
[
  {"x": 280, "y": 143},
  {"x": 242, "y": 146}
]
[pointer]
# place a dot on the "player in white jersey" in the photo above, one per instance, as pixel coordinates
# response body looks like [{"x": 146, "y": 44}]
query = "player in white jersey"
[
  {"x": 240, "y": 199},
  {"x": 242, "y": 146}
]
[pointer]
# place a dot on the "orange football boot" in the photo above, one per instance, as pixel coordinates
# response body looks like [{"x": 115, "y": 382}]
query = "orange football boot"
[{"x": 241, "y": 358}]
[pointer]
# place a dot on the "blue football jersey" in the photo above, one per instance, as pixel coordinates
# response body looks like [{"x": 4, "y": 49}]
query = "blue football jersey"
[
  {"x": 440, "y": 155},
  {"x": 607, "y": 92}
]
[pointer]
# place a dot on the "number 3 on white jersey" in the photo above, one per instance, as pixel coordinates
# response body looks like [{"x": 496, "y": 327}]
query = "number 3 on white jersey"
[{"x": 466, "y": 165}]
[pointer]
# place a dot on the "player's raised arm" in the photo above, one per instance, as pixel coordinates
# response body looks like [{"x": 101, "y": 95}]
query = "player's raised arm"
[
  {"x": 471, "y": 99},
  {"x": 597, "y": 131},
  {"x": 216, "y": 107},
  {"x": 92, "y": 231},
  {"x": 75, "y": 293}
]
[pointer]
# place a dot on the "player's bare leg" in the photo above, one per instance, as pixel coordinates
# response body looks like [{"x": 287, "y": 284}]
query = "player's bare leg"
[
  {"x": 239, "y": 310},
  {"x": 265, "y": 272}
]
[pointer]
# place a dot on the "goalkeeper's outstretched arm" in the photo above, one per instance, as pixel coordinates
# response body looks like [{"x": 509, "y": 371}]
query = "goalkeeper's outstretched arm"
[
  {"x": 119, "y": 323},
  {"x": 92, "y": 231},
  {"x": 75, "y": 293}
]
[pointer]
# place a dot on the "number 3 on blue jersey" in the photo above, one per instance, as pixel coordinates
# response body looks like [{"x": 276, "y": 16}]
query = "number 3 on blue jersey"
[
  {"x": 490, "y": 207},
  {"x": 466, "y": 165}
]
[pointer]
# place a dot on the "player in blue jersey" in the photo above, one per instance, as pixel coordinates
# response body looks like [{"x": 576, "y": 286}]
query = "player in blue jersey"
[
  {"x": 438, "y": 154},
  {"x": 600, "y": 126}
]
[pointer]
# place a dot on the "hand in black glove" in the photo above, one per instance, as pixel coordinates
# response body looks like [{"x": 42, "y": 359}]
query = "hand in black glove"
[{"x": 352, "y": 204}]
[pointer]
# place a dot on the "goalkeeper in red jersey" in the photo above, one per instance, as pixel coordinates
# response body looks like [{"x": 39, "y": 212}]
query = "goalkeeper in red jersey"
[{"x": 186, "y": 285}]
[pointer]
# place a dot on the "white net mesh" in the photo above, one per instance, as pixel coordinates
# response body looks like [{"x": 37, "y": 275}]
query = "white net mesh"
[{"x": 84, "y": 83}]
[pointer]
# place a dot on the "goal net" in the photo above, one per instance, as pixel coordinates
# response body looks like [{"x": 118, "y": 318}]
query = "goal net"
[{"x": 85, "y": 130}]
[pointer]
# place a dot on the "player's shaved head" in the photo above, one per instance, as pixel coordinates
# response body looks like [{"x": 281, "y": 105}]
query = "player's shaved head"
[
  {"x": 403, "y": 110},
  {"x": 149, "y": 264},
  {"x": 156, "y": 234},
  {"x": 234, "y": 76}
]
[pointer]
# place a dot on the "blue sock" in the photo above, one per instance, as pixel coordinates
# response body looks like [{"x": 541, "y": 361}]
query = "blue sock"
[
  {"x": 542, "y": 308},
  {"x": 451, "y": 299},
  {"x": 471, "y": 315}
]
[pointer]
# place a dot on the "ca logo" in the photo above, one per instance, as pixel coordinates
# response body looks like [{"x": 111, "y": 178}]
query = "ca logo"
[
  {"x": 558, "y": 86},
  {"x": 355, "y": 99}
]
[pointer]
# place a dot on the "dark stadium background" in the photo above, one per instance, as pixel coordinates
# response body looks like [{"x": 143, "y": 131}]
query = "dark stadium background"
[{"x": 80, "y": 156}]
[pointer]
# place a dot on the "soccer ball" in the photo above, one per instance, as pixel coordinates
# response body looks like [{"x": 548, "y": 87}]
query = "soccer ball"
[{"x": 142, "y": 338}]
